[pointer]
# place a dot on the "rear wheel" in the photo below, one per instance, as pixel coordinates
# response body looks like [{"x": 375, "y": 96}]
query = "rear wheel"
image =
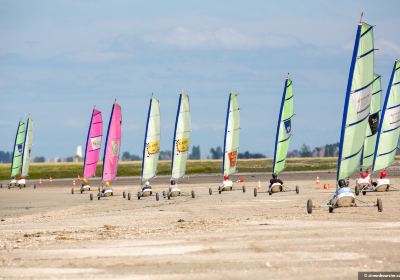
[
  {"x": 98, "y": 196},
  {"x": 123, "y": 195},
  {"x": 193, "y": 194},
  {"x": 379, "y": 204},
  {"x": 364, "y": 192},
  {"x": 91, "y": 196},
  {"x": 269, "y": 192},
  {"x": 129, "y": 196},
  {"x": 138, "y": 195},
  {"x": 210, "y": 191},
  {"x": 297, "y": 189},
  {"x": 330, "y": 209},
  {"x": 34, "y": 186},
  {"x": 309, "y": 206},
  {"x": 72, "y": 190},
  {"x": 255, "y": 192},
  {"x": 357, "y": 190},
  {"x": 169, "y": 195},
  {"x": 244, "y": 189},
  {"x": 81, "y": 191},
  {"x": 157, "y": 196}
]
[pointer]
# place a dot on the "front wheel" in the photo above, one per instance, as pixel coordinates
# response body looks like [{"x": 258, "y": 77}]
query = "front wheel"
[
  {"x": 297, "y": 190},
  {"x": 255, "y": 192},
  {"x": 379, "y": 204},
  {"x": 91, "y": 196},
  {"x": 169, "y": 195},
  {"x": 357, "y": 191},
  {"x": 72, "y": 190},
  {"x": 309, "y": 206},
  {"x": 193, "y": 194},
  {"x": 364, "y": 192},
  {"x": 129, "y": 196},
  {"x": 138, "y": 195},
  {"x": 244, "y": 189},
  {"x": 330, "y": 209},
  {"x": 123, "y": 195},
  {"x": 157, "y": 196},
  {"x": 210, "y": 191}
]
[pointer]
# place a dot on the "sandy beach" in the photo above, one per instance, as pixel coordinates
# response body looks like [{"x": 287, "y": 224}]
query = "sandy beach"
[{"x": 48, "y": 233}]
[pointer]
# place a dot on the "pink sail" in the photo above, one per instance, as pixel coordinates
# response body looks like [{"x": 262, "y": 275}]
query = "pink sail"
[
  {"x": 93, "y": 144},
  {"x": 113, "y": 144}
]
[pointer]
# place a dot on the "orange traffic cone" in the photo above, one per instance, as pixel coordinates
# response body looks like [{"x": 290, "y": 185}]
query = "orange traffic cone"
[
  {"x": 259, "y": 184},
  {"x": 73, "y": 183},
  {"x": 79, "y": 177},
  {"x": 40, "y": 181},
  {"x": 317, "y": 181},
  {"x": 51, "y": 180},
  {"x": 326, "y": 186}
]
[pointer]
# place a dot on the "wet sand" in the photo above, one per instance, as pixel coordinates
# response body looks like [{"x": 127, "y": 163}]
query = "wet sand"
[{"x": 48, "y": 233}]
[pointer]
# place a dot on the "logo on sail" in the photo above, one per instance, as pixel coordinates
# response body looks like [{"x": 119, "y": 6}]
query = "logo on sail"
[
  {"x": 232, "y": 156},
  {"x": 19, "y": 147},
  {"x": 96, "y": 142},
  {"x": 115, "y": 148},
  {"x": 373, "y": 121},
  {"x": 153, "y": 147},
  {"x": 288, "y": 127},
  {"x": 182, "y": 145}
]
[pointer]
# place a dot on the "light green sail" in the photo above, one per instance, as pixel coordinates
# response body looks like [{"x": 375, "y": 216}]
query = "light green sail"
[
  {"x": 389, "y": 127},
  {"x": 26, "y": 155},
  {"x": 16, "y": 165},
  {"x": 284, "y": 128},
  {"x": 151, "y": 149},
  {"x": 373, "y": 124},
  {"x": 232, "y": 132},
  {"x": 358, "y": 102},
  {"x": 181, "y": 141}
]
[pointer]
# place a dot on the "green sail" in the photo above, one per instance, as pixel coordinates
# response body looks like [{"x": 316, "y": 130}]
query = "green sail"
[
  {"x": 26, "y": 155},
  {"x": 373, "y": 124},
  {"x": 358, "y": 102},
  {"x": 389, "y": 127},
  {"x": 232, "y": 131},
  {"x": 284, "y": 128},
  {"x": 16, "y": 165}
]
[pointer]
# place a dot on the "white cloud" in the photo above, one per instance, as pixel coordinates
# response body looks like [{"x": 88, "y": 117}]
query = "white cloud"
[{"x": 222, "y": 38}]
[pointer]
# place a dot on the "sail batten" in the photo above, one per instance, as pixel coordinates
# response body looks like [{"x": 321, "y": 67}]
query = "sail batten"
[
  {"x": 357, "y": 107},
  {"x": 231, "y": 136},
  {"x": 181, "y": 141},
  {"x": 113, "y": 144},
  {"x": 151, "y": 146},
  {"x": 93, "y": 144},
  {"x": 388, "y": 132},
  {"x": 284, "y": 128}
]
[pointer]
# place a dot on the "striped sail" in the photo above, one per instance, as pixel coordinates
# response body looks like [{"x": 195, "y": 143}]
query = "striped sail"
[
  {"x": 357, "y": 103},
  {"x": 151, "y": 147},
  {"x": 388, "y": 132},
  {"x": 93, "y": 144},
  {"x": 373, "y": 125},
  {"x": 284, "y": 128},
  {"x": 231, "y": 139},
  {"x": 16, "y": 165},
  {"x": 26, "y": 155},
  {"x": 181, "y": 141},
  {"x": 113, "y": 144}
]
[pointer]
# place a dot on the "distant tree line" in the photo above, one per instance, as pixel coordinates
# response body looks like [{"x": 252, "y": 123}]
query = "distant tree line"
[
  {"x": 329, "y": 150},
  {"x": 216, "y": 153}
]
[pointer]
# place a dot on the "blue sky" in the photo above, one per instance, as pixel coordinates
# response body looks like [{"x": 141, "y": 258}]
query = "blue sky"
[{"x": 60, "y": 58}]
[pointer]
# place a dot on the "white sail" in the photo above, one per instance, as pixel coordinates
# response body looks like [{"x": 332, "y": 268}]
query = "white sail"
[
  {"x": 26, "y": 155},
  {"x": 151, "y": 147},
  {"x": 232, "y": 132},
  {"x": 181, "y": 141}
]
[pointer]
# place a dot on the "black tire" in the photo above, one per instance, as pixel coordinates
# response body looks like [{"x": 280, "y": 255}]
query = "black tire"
[
  {"x": 1, "y": 186},
  {"x": 330, "y": 209},
  {"x": 138, "y": 195},
  {"x": 297, "y": 190},
  {"x": 34, "y": 186},
  {"x": 379, "y": 204},
  {"x": 193, "y": 194},
  {"x": 244, "y": 189},
  {"x": 364, "y": 192},
  {"x": 210, "y": 191},
  {"x": 81, "y": 191},
  {"x": 123, "y": 195},
  {"x": 309, "y": 206},
  {"x": 129, "y": 196},
  {"x": 157, "y": 196},
  {"x": 91, "y": 196},
  {"x": 98, "y": 196},
  {"x": 255, "y": 192},
  {"x": 219, "y": 190},
  {"x": 164, "y": 194},
  {"x": 169, "y": 195},
  {"x": 269, "y": 192},
  {"x": 72, "y": 190},
  {"x": 24, "y": 185},
  {"x": 281, "y": 188},
  {"x": 357, "y": 191}
]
